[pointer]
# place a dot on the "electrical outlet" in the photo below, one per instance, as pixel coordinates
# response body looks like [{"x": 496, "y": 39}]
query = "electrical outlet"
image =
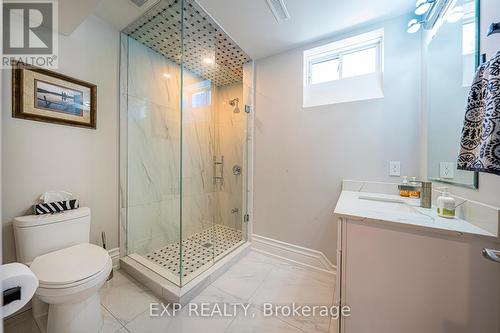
[
  {"x": 446, "y": 170},
  {"x": 394, "y": 168}
]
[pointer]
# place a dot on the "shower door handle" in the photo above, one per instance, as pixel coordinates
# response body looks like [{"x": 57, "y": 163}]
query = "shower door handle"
[{"x": 221, "y": 164}]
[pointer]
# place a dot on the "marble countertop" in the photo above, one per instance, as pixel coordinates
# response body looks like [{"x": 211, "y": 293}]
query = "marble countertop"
[{"x": 358, "y": 205}]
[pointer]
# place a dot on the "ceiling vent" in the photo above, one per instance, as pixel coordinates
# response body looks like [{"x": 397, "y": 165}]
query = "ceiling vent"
[
  {"x": 279, "y": 10},
  {"x": 139, "y": 3}
]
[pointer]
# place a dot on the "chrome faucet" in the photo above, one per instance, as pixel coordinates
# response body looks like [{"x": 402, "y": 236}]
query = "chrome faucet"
[{"x": 425, "y": 189}]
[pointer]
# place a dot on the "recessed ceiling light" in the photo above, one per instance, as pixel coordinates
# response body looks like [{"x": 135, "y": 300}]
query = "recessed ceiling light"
[
  {"x": 414, "y": 26},
  {"x": 208, "y": 61}
]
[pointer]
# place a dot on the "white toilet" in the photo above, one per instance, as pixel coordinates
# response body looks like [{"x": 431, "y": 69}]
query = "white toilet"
[{"x": 70, "y": 270}]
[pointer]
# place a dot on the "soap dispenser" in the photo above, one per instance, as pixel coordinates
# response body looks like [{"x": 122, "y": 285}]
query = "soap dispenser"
[{"x": 446, "y": 205}]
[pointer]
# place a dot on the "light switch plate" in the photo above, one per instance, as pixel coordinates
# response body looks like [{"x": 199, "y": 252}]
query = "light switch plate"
[
  {"x": 394, "y": 168},
  {"x": 446, "y": 170}
]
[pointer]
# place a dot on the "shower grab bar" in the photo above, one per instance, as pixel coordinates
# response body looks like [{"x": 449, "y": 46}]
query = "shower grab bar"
[{"x": 221, "y": 163}]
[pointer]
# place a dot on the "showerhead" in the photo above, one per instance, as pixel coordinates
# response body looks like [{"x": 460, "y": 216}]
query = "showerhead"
[{"x": 235, "y": 102}]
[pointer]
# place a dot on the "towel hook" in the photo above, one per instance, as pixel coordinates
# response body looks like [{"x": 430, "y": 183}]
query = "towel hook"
[{"x": 494, "y": 28}]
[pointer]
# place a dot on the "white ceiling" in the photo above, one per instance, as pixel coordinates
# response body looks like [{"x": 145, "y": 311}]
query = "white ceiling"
[
  {"x": 72, "y": 13},
  {"x": 120, "y": 13},
  {"x": 252, "y": 26}
]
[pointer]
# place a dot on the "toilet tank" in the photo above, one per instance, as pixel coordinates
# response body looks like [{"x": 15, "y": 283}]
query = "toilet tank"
[{"x": 40, "y": 234}]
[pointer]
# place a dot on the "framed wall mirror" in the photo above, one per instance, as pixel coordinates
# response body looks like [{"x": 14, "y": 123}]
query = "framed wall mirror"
[{"x": 451, "y": 56}]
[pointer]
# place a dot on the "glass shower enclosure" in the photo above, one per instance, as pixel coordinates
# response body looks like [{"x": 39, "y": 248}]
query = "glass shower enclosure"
[{"x": 183, "y": 141}]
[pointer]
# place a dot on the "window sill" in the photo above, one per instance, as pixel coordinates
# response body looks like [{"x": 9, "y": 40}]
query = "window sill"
[{"x": 359, "y": 88}]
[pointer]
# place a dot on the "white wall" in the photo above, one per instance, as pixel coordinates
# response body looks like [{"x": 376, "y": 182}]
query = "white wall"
[
  {"x": 302, "y": 155},
  {"x": 37, "y": 157}
]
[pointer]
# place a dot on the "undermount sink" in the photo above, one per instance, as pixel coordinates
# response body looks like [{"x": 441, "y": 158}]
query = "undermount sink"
[
  {"x": 391, "y": 200},
  {"x": 391, "y": 203}
]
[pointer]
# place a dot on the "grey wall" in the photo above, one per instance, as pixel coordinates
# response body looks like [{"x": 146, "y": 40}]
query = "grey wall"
[
  {"x": 37, "y": 157},
  {"x": 302, "y": 155}
]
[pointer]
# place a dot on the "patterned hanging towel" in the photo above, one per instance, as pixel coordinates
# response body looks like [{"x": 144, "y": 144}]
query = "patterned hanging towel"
[{"x": 480, "y": 143}]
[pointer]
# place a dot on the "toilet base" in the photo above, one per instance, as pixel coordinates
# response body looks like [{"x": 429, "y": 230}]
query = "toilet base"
[{"x": 80, "y": 317}]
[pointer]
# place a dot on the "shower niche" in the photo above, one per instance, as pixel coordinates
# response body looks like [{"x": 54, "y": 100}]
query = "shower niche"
[{"x": 185, "y": 89}]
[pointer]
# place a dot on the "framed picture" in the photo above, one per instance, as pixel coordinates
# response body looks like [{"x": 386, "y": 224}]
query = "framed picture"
[{"x": 42, "y": 95}]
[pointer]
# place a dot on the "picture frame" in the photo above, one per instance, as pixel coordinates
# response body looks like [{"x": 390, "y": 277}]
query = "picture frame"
[{"x": 43, "y": 95}]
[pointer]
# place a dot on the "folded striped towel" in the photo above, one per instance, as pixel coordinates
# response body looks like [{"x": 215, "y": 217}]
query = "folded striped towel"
[{"x": 55, "y": 207}]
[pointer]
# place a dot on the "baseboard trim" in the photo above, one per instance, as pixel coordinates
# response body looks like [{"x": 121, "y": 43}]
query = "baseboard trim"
[
  {"x": 297, "y": 254},
  {"x": 115, "y": 257}
]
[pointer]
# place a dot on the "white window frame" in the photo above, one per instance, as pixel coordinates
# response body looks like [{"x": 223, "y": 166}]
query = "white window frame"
[
  {"x": 337, "y": 50},
  {"x": 340, "y": 52}
]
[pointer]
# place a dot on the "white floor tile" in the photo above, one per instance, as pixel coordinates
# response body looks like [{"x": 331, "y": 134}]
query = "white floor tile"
[
  {"x": 146, "y": 324},
  {"x": 256, "y": 322},
  {"x": 125, "y": 298},
  {"x": 256, "y": 278},
  {"x": 183, "y": 322},
  {"x": 243, "y": 279},
  {"x": 110, "y": 325},
  {"x": 23, "y": 323},
  {"x": 122, "y": 330},
  {"x": 287, "y": 285}
]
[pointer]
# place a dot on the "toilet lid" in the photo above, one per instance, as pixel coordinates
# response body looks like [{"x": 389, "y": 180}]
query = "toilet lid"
[{"x": 70, "y": 265}]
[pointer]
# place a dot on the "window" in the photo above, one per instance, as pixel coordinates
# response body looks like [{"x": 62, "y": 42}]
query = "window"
[
  {"x": 201, "y": 99},
  {"x": 325, "y": 70},
  {"x": 349, "y": 64},
  {"x": 360, "y": 62},
  {"x": 346, "y": 64},
  {"x": 337, "y": 61}
]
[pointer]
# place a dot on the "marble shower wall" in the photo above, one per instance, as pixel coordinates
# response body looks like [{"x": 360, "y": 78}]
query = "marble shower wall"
[
  {"x": 153, "y": 141},
  {"x": 209, "y": 128},
  {"x": 231, "y": 144}
]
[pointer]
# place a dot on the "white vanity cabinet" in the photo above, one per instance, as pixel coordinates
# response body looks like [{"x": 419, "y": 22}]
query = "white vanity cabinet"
[{"x": 400, "y": 278}]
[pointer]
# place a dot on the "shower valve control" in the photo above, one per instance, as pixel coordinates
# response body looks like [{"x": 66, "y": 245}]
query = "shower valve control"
[{"x": 236, "y": 170}]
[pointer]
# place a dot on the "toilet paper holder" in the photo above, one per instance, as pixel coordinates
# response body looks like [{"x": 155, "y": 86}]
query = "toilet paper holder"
[
  {"x": 18, "y": 284},
  {"x": 10, "y": 295}
]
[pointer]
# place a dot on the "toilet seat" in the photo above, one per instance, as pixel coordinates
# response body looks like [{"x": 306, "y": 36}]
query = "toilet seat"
[{"x": 70, "y": 267}]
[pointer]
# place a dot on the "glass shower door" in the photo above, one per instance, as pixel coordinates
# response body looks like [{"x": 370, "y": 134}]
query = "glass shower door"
[
  {"x": 213, "y": 197},
  {"x": 214, "y": 172},
  {"x": 199, "y": 192},
  {"x": 183, "y": 141},
  {"x": 151, "y": 91},
  {"x": 232, "y": 145}
]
